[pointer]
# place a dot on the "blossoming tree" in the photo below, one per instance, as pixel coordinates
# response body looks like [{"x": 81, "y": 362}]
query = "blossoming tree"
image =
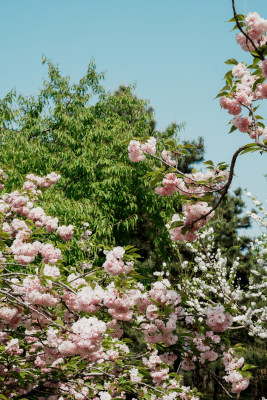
[
  {"x": 65, "y": 307},
  {"x": 63, "y": 327}
]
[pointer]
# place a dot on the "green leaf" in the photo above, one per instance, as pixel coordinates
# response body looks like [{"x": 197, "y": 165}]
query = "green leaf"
[
  {"x": 155, "y": 180},
  {"x": 209, "y": 162},
  {"x": 232, "y": 129},
  {"x": 147, "y": 396},
  {"x": 231, "y": 61},
  {"x": 235, "y": 27},
  {"x": 239, "y": 17},
  {"x": 248, "y": 366},
  {"x": 170, "y": 142},
  {"x": 229, "y": 77},
  {"x": 224, "y": 93},
  {"x": 250, "y": 150},
  {"x": 176, "y": 224},
  {"x": 260, "y": 80},
  {"x": 247, "y": 374},
  {"x": 4, "y": 235}
]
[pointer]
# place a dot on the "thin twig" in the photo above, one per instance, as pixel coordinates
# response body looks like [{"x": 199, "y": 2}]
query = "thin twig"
[{"x": 226, "y": 391}]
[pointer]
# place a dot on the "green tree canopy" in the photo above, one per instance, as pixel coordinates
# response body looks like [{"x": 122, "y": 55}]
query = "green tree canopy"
[{"x": 81, "y": 132}]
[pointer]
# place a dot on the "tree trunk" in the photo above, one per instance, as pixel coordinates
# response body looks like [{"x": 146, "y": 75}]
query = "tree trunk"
[{"x": 216, "y": 386}]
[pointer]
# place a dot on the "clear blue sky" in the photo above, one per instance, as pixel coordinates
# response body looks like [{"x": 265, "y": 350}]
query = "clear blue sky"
[{"x": 175, "y": 51}]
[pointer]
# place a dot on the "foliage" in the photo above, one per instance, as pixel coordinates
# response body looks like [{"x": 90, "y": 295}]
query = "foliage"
[{"x": 80, "y": 131}]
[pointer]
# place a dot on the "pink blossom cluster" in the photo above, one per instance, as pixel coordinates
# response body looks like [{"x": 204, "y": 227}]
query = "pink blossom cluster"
[
  {"x": 65, "y": 232},
  {"x": 159, "y": 329},
  {"x": 135, "y": 152},
  {"x": 256, "y": 23},
  {"x": 206, "y": 352},
  {"x": 86, "y": 337},
  {"x": 25, "y": 253},
  {"x": 87, "y": 299},
  {"x": 256, "y": 27},
  {"x": 192, "y": 212},
  {"x": 23, "y": 205},
  {"x": 12, "y": 347},
  {"x": 136, "y": 149},
  {"x": 243, "y": 124},
  {"x": 119, "y": 305},
  {"x": 135, "y": 377},
  {"x": 50, "y": 253},
  {"x": 35, "y": 293},
  {"x": 188, "y": 364},
  {"x": 114, "y": 264},
  {"x": 218, "y": 319},
  {"x": 40, "y": 219},
  {"x": 231, "y": 105},
  {"x": 192, "y": 184},
  {"x": 18, "y": 227},
  {"x": 205, "y": 345},
  {"x": 166, "y": 155},
  {"x": 170, "y": 185},
  {"x": 3, "y": 177},
  {"x": 11, "y": 316},
  {"x": 168, "y": 358},
  {"x": 232, "y": 366},
  {"x": 163, "y": 295},
  {"x": 240, "y": 70},
  {"x": 158, "y": 372},
  {"x": 244, "y": 95},
  {"x": 20, "y": 203},
  {"x": 263, "y": 67},
  {"x": 215, "y": 338},
  {"x": 45, "y": 181},
  {"x": 150, "y": 146}
]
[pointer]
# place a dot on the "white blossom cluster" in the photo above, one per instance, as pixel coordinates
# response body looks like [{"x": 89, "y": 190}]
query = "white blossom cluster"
[
  {"x": 261, "y": 215},
  {"x": 210, "y": 279}
]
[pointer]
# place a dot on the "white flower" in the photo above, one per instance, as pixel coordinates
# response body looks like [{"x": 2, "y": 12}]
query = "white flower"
[{"x": 104, "y": 396}]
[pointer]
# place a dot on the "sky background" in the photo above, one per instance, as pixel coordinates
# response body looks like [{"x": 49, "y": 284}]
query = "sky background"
[{"x": 174, "y": 50}]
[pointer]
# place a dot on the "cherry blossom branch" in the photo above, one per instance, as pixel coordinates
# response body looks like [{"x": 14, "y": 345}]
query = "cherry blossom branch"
[
  {"x": 15, "y": 300},
  {"x": 244, "y": 33},
  {"x": 212, "y": 189},
  {"x": 225, "y": 188}
]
